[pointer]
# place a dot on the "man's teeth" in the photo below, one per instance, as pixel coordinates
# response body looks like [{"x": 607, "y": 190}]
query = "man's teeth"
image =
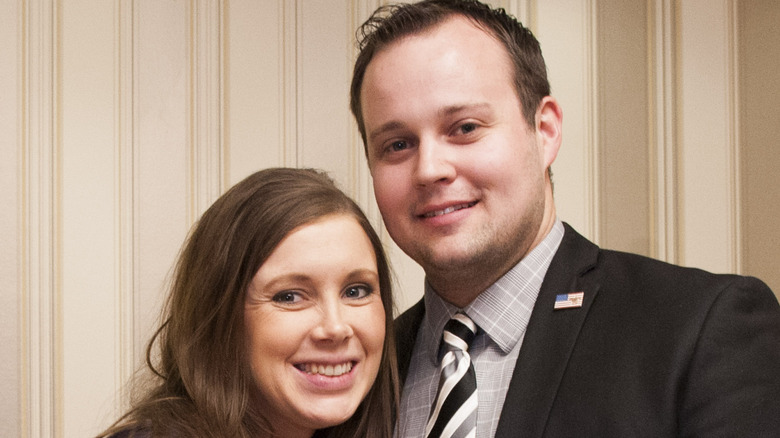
[
  {"x": 448, "y": 210},
  {"x": 327, "y": 370}
]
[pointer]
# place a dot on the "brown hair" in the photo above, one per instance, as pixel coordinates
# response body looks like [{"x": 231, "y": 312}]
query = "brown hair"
[
  {"x": 392, "y": 22},
  {"x": 202, "y": 380}
]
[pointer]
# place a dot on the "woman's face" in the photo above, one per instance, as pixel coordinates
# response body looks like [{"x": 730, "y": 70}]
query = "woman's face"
[{"x": 315, "y": 326}]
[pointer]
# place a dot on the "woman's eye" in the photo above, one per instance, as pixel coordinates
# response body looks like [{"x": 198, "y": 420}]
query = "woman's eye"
[
  {"x": 357, "y": 292},
  {"x": 287, "y": 297}
]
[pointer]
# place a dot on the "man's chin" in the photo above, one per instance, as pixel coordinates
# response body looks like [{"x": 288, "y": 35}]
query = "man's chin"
[{"x": 449, "y": 263}]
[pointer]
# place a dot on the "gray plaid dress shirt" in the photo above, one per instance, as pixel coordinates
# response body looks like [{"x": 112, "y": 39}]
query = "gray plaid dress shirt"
[{"x": 502, "y": 312}]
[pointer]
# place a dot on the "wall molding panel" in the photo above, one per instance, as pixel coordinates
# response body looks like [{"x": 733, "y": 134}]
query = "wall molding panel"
[
  {"x": 40, "y": 246},
  {"x": 128, "y": 340},
  {"x": 291, "y": 78},
  {"x": 205, "y": 145},
  {"x": 14, "y": 226},
  {"x": 254, "y": 109},
  {"x": 663, "y": 133},
  {"x": 566, "y": 31},
  {"x": 707, "y": 134},
  {"x": 593, "y": 123},
  {"x": 360, "y": 185},
  {"x": 733, "y": 140},
  {"x": 758, "y": 74}
]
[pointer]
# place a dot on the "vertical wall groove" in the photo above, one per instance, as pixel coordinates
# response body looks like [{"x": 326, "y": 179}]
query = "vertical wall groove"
[
  {"x": 705, "y": 128},
  {"x": 205, "y": 97},
  {"x": 734, "y": 138},
  {"x": 360, "y": 179},
  {"x": 290, "y": 77},
  {"x": 39, "y": 247},
  {"x": 125, "y": 208},
  {"x": 664, "y": 222},
  {"x": 758, "y": 77},
  {"x": 593, "y": 120},
  {"x": 12, "y": 221},
  {"x": 133, "y": 106},
  {"x": 223, "y": 71},
  {"x": 299, "y": 98}
]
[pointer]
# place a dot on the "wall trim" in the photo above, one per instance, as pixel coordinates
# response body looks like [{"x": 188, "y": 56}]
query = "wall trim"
[
  {"x": 206, "y": 118},
  {"x": 593, "y": 123},
  {"x": 125, "y": 209},
  {"x": 706, "y": 135},
  {"x": 735, "y": 162},
  {"x": 663, "y": 174},
  {"x": 41, "y": 356},
  {"x": 361, "y": 184},
  {"x": 290, "y": 75}
]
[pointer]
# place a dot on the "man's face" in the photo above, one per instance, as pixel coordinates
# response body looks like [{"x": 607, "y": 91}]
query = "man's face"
[{"x": 459, "y": 176}]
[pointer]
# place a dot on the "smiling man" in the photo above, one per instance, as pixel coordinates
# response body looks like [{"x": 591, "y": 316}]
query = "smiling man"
[{"x": 454, "y": 108}]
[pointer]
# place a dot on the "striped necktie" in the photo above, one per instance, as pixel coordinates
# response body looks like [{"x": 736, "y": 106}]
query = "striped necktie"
[{"x": 454, "y": 412}]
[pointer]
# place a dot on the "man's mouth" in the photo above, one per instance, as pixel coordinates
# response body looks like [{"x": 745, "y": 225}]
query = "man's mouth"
[
  {"x": 326, "y": 370},
  {"x": 449, "y": 209}
]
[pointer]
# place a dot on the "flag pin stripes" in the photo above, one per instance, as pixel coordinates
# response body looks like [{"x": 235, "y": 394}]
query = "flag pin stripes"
[{"x": 569, "y": 301}]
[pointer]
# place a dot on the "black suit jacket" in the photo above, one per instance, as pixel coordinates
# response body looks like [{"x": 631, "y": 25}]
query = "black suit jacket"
[{"x": 656, "y": 350}]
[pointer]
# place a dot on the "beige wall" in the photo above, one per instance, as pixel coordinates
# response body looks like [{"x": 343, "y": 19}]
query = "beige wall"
[
  {"x": 121, "y": 121},
  {"x": 624, "y": 60},
  {"x": 759, "y": 88}
]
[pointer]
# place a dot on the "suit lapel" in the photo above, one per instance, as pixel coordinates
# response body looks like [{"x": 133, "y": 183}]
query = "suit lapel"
[
  {"x": 550, "y": 338},
  {"x": 406, "y": 327}
]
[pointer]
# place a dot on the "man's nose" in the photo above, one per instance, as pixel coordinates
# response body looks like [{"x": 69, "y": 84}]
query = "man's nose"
[{"x": 433, "y": 162}]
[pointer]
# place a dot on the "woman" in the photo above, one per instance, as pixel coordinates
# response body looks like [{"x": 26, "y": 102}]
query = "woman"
[{"x": 278, "y": 322}]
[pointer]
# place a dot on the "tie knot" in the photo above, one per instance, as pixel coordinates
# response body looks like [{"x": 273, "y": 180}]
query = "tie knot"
[{"x": 459, "y": 332}]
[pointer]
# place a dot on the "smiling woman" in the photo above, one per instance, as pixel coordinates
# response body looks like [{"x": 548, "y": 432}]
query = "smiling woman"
[
  {"x": 320, "y": 289},
  {"x": 278, "y": 322}
]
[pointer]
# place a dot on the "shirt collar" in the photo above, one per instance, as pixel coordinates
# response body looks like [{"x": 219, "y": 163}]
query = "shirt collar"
[{"x": 503, "y": 310}]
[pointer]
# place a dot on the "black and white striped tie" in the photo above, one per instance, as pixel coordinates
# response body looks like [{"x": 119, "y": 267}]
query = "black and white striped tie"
[{"x": 454, "y": 412}]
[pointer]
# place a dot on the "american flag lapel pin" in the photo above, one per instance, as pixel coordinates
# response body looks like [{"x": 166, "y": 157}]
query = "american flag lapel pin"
[{"x": 569, "y": 301}]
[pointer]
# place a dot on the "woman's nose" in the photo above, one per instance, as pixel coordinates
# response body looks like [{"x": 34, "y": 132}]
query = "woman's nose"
[{"x": 333, "y": 326}]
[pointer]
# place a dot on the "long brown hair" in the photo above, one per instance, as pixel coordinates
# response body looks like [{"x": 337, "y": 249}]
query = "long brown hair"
[{"x": 201, "y": 382}]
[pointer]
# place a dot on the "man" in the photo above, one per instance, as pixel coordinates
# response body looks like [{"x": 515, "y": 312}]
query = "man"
[{"x": 452, "y": 102}]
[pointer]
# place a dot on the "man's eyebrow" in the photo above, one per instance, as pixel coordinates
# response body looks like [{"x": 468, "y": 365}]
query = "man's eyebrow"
[
  {"x": 389, "y": 126},
  {"x": 454, "y": 109}
]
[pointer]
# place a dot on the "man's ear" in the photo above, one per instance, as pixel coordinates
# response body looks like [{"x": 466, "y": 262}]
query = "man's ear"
[{"x": 549, "y": 124}]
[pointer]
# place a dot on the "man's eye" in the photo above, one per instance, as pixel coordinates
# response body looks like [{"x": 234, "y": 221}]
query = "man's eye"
[
  {"x": 287, "y": 297},
  {"x": 398, "y": 145},
  {"x": 467, "y": 128},
  {"x": 356, "y": 292}
]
